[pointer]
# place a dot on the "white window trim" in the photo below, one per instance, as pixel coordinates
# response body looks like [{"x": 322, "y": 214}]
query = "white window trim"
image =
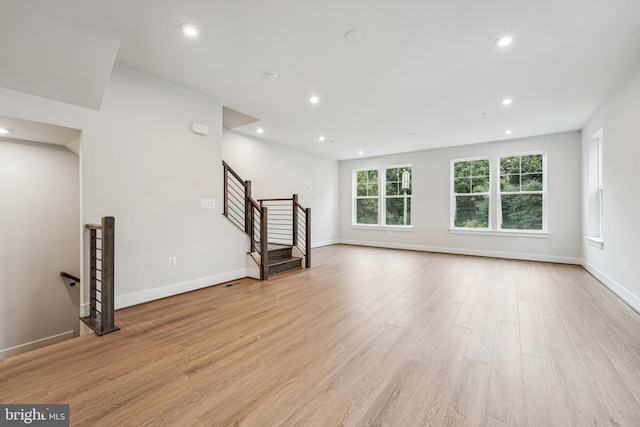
[
  {"x": 382, "y": 206},
  {"x": 382, "y": 220},
  {"x": 355, "y": 197},
  {"x": 598, "y": 241},
  {"x": 452, "y": 195},
  {"x": 544, "y": 192}
]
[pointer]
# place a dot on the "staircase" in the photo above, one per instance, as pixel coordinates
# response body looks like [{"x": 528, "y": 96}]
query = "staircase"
[
  {"x": 279, "y": 229},
  {"x": 282, "y": 259}
]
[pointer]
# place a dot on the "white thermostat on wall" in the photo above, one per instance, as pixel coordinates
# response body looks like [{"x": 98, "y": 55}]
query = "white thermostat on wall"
[{"x": 199, "y": 129}]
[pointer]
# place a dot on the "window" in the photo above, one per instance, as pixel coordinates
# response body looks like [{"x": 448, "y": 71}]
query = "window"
[
  {"x": 366, "y": 197},
  {"x": 397, "y": 201},
  {"x": 391, "y": 207},
  {"x": 471, "y": 185},
  {"x": 595, "y": 190},
  {"x": 522, "y": 192}
]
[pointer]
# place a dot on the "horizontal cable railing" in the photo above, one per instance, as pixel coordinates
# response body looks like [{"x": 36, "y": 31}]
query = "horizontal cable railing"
[
  {"x": 275, "y": 221},
  {"x": 101, "y": 277},
  {"x": 246, "y": 214}
]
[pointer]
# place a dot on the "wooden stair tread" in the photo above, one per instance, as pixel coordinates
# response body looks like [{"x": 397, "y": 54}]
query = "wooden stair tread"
[{"x": 284, "y": 260}]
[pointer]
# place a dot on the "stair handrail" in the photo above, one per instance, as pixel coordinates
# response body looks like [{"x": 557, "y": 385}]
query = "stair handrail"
[
  {"x": 254, "y": 216},
  {"x": 101, "y": 280}
]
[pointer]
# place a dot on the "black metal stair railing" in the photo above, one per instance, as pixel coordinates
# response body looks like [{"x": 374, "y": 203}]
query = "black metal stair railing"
[
  {"x": 101, "y": 317},
  {"x": 276, "y": 221}
]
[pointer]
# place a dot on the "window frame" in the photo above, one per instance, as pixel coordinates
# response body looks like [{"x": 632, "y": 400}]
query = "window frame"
[
  {"x": 543, "y": 192},
  {"x": 355, "y": 198},
  {"x": 595, "y": 187},
  {"x": 453, "y": 194},
  {"x": 381, "y": 198}
]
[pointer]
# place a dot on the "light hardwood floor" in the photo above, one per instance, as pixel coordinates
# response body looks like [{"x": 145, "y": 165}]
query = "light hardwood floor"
[{"x": 366, "y": 337}]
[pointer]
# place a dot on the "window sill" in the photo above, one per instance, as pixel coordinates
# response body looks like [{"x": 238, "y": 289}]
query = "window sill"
[
  {"x": 596, "y": 242},
  {"x": 383, "y": 228},
  {"x": 501, "y": 233}
]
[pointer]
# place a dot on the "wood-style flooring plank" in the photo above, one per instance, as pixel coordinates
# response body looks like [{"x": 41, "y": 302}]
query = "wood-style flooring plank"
[
  {"x": 480, "y": 346},
  {"x": 543, "y": 406},
  {"x": 506, "y": 401},
  {"x": 469, "y": 396}
]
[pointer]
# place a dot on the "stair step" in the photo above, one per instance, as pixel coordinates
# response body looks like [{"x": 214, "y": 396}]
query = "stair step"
[
  {"x": 279, "y": 252},
  {"x": 286, "y": 264}
]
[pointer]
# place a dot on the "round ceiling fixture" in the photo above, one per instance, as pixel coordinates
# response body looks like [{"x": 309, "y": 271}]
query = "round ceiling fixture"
[
  {"x": 507, "y": 101},
  {"x": 260, "y": 130},
  {"x": 508, "y": 132},
  {"x": 271, "y": 75},
  {"x": 5, "y": 131},
  {"x": 360, "y": 153},
  {"x": 314, "y": 99},
  {"x": 353, "y": 35},
  {"x": 189, "y": 30},
  {"x": 321, "y": 138}
]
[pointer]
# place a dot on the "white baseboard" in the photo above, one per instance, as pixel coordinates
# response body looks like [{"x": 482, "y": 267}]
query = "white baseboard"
[
  {"x": 325, "y": 243},
  {"x": 127, "y": 300},
  {"x": 630, "y": 299},
  {"x": 474, "y": 252},
  {"x": 33, "y": 345}
]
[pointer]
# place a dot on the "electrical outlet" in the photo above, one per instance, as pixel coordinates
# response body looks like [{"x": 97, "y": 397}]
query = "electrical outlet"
[{"x": 173, "y": 261}]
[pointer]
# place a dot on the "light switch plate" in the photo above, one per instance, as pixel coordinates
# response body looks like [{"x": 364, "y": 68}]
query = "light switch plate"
[{"x": 207, "y": 203}]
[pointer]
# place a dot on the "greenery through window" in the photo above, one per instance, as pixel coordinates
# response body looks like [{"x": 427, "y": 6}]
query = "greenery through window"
[
  {"x": 522, "y": 192},
  {"x": 471, "y": 187},
  {"x": 366, "y": 200},
  {"x": 398, "y": 199},
  {"x": 390, "y": 206}
]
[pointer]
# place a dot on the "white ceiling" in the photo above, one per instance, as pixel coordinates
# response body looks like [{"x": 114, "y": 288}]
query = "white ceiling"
[{"x": 423, "y": 67}]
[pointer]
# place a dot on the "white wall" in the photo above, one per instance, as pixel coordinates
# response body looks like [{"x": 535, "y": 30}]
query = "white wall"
[
  {"x": 40, "y": 236},
  {"x": 616, "y": 263},
  {"x": 431, "y": 201},
  {"x": 279, "y": 171},
  {"x": 141, "y": 163}
]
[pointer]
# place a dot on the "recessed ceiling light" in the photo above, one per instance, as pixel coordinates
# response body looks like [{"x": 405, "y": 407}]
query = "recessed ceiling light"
[
  {"x": 504, "y": 41},
  {"x": 5, "y": 131},
  {"x": 259, "y": 130},
  {"x": 360, "y": 153},
  {"x": 508, "y": 132},
  {"x": 190, "y": 30},
  {"x": 314, "y": 99},
  {"x": 321, "y": 138},
  {"x": 507, "y": 101}
]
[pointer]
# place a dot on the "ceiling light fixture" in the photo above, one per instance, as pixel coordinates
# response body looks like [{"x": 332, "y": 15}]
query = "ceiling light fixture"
[
  {"x": 5, "y": 131},
  {"x": 507, "y": 101},
  {"x": 314, "y": 99},
  {"x": 360, "y": 153},
  {"x": 321, "y": 138},
  {"x": 508, "y": 132},
  {"x": 504, "y": 41},
  {"x": 353, "y": 35},
  {"x": 190, "y": 30},
  {"x": 259, "y": 130}
]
